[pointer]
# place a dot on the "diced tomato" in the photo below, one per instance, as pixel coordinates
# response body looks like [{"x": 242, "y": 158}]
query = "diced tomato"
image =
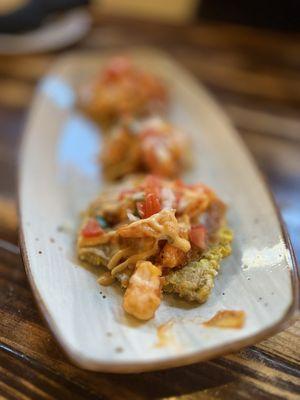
[
  {"x": 197, "y": 236},
  {"x": 117, "y": 68},
  {"x": 150, "y": 206},
  {"x": 152, "y": 203},
  {"x": 92, "y": 229}
]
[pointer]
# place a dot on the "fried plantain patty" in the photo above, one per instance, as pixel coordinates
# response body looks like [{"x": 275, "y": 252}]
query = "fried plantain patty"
[{"x": 195, "y": 281}]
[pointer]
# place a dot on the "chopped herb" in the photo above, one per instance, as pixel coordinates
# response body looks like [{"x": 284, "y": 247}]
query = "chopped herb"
[{"x": 102, "y": 221}]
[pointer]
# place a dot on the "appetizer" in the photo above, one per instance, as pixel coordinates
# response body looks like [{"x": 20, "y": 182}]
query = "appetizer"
[
  {"x": 149, "y": 145},
  {"x": 122, "y": 90},
  {"x": 155, "y": 235}
]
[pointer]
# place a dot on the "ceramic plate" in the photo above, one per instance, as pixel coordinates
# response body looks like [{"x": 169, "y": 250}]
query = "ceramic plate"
[
  {"x": 59, "y": 175},
  {"x": 52, "y": 35}
]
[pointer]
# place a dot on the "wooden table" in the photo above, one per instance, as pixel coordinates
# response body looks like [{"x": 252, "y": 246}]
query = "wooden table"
[{"x": 255, "y": 76}]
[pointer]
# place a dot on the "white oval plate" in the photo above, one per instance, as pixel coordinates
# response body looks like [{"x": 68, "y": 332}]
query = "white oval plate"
[{"x": 59, "y": 176}]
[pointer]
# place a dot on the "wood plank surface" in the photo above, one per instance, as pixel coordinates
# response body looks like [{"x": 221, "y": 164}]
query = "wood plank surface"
[{"x": 254, "y": 75}]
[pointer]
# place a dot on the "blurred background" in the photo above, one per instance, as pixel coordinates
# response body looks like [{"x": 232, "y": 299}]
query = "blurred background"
[{"x": 247, "y": 54}]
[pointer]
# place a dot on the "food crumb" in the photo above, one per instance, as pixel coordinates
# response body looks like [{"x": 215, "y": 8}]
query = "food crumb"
[
  {"x": 106, "y": 279},
  {"x": 119, "y": 349},
  {"x": 234, "y": 319},
  {"x": 52, "y": 240},
  {"x": 165, "y": 336},
  {"x": 66, "y": 228}
]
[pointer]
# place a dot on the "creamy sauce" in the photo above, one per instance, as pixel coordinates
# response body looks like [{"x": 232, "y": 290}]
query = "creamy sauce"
[
  {"x": 233, "y": 319},
  {"x": 106, "y": 279},
  {"x": 165, "y": 336}
]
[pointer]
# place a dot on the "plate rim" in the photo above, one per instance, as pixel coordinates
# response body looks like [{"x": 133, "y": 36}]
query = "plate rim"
[
  {"x": 75, "y": 14},
  {"x": 156, "y": 364}
]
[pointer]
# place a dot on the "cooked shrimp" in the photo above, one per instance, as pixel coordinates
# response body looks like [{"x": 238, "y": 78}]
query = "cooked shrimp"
[
  {"x": 171, "y": 257},
  {"x": 143, "y": 294}
]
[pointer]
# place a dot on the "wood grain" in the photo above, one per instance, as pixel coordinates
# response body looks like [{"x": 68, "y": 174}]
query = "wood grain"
[
  {"x": 29, "y": 350},
  {"x": 31, "y": 364}
]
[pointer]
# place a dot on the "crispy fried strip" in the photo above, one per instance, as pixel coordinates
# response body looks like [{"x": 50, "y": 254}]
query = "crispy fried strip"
[
  {"x": 117, "y": 257},
  {"x": 134, "y": 259}
]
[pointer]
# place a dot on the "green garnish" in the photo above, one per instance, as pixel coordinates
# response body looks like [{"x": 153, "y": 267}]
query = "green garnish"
[{"x": 102, "y": 221}]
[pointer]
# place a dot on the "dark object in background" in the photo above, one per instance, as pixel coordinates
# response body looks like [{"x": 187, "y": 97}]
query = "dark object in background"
[
  {"x": 33, "y": 13},
  {"x": 276, "y": 14}
]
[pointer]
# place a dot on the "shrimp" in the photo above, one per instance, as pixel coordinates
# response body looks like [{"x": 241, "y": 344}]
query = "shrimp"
[
  {"x": 143, "y": 294},
  {"x": 171, "y": 257}
]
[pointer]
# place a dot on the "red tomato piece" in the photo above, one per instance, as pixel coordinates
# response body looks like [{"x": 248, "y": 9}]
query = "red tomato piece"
[
  {"x": 152, "y": 205},
  {"x": 197, "y": 236},
  {"x": 117, "y": 68},
  {"x": 92, "y": 229}
]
